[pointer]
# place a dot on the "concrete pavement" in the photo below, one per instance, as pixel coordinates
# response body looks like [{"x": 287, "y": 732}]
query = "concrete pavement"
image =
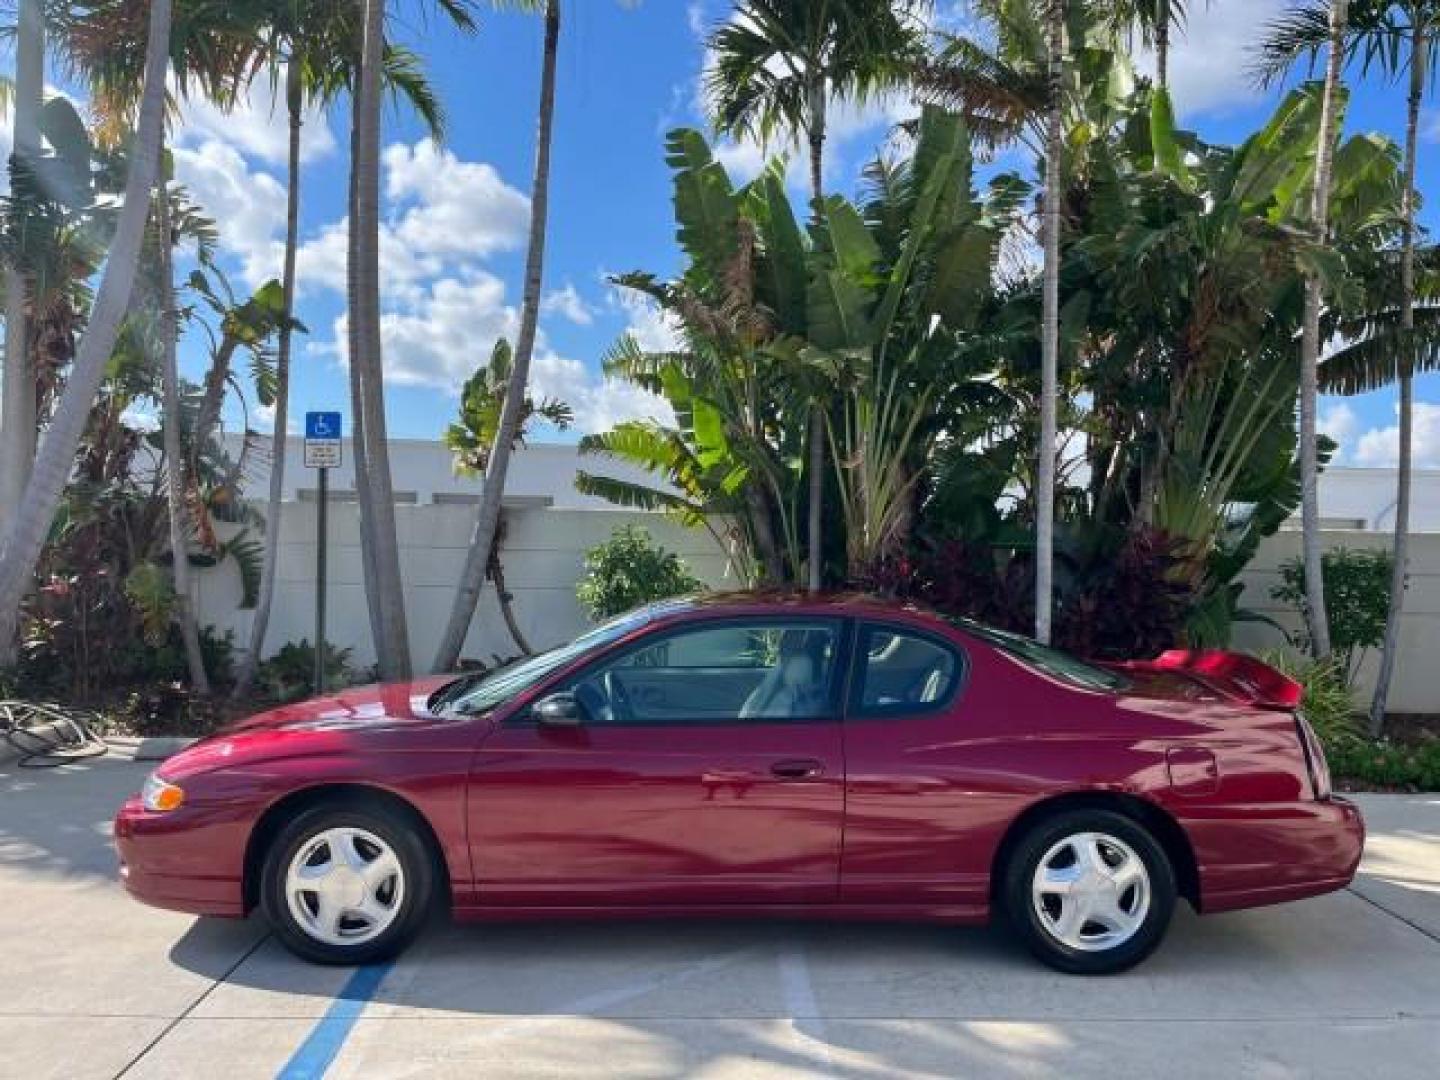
[{"x": 97, "y": 986}]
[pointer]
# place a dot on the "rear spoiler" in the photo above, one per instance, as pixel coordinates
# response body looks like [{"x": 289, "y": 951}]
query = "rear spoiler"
[{"x": 1236, "y": 675}]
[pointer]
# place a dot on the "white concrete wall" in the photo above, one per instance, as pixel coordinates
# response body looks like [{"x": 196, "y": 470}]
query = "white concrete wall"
[
  {"x": 1416, "y": 687},
  {"x": 1364, "y": 499},
  {"x": 543, "y": 556},
  {"x": 423, "y": 472},
  {"x": 544, "y": 553}
]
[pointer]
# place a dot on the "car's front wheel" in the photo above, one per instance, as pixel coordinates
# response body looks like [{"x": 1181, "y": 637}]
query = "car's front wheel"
[
  {"x": 1090, "y": 892},
  {"x": 347, "y": 884}
]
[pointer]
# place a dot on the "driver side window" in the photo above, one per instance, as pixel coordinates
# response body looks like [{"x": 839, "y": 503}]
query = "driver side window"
[{"x": 762, "y": 670}]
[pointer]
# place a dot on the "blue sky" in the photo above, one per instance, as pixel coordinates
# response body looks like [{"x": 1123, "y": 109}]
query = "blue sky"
[{"x": 456, "y": 215}]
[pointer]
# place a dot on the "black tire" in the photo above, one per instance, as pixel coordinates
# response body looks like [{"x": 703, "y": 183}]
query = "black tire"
[
  {"x": 405, "y": 839},
  {"x": 1020, "y": 903}
]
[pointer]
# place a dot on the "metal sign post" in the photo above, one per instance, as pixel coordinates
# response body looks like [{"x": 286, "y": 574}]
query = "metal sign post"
[{"x": 322, "y": 452}]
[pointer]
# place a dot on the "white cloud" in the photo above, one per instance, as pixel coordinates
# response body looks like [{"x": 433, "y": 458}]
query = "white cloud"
[
  {"x": 455, "y": 208},
  {"x": 444, "y": 307},
  {"x": 1430, "y": 125},
  {"x": 1380, "y": 447},
  {"x": 1210, "y": 56},
  {"x": 440, "y": 341},
  {"x": 599, "y": 403},
  {"x": 248, "y": 206},
  {"x": 262, "y": 420},
  {"x": 696, "y": 19},
  {"x": 568, "y": 304},
  {"x": 258, "y": 127},
  {"x": 451, "y": 215},
  {"x": 1340, "y": 423},
  {"x": 442, "y": 338},
  {"x": 651, "y": 328}
]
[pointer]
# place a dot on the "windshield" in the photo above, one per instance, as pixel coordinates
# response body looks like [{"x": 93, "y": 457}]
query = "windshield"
[
  {"x": 499, "y": 686},
  {"x": 1051, "y": 661}
]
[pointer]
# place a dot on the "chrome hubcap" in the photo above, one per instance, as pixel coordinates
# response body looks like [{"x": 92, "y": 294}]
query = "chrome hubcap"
[
  {"x": 345, "y": 886},
  {"x": 1091, "y": 891}
]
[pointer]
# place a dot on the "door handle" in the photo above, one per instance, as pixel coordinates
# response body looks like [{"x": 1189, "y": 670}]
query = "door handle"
[{"x": 804, "y": 769}]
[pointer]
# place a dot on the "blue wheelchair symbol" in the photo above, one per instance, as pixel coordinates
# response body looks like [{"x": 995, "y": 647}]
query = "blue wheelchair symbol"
[{"x": 322, "y": 425}]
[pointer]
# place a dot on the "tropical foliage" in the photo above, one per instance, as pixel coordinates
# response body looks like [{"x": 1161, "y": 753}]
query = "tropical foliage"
[
  {"x": 629, "y": 570},
  {"x": 1182, "y": 295},
  {"x": 1071, "y": 390},
  {"x": 1357, "y": 586}
]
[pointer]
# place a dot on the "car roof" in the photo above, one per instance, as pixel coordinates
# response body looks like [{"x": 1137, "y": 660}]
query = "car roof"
[{"x": 785, "y": 601}]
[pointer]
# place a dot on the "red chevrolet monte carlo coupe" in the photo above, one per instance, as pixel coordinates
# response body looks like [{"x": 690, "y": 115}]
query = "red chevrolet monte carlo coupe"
[{"x": 760, "y": 755}]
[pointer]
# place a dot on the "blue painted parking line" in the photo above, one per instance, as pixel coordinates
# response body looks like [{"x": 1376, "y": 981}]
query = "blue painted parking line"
[{"x": 321, "y": 1047}]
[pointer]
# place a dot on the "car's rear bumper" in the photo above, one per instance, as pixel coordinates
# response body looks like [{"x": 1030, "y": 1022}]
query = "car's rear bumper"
[
  {"x": 172, "y": 861},
  {"x": 1248, "y": 856}
]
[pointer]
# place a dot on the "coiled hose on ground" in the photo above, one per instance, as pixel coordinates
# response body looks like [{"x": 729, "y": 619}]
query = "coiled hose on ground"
[{"x": 47, "y": 735}]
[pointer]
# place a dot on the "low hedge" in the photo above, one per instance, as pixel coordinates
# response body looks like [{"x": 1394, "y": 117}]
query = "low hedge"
[{"x": 1381, "y": 763}]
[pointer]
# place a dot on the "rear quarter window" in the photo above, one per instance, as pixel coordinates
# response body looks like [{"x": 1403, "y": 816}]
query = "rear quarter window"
[{"x": 901, "y": 671}]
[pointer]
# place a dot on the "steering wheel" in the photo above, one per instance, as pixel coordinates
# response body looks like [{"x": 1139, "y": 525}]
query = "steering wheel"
[{"x": 619, "y": 698}]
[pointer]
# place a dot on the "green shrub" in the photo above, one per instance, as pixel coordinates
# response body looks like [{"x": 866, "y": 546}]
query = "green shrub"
[
  {"x": 1357, "y": 600},
  {"x": 1387, "y": 764},
  {"x": 1352, "y": 755},
  {"x": 628, "y": 570},
  {"x": 1326, "y": 700},
  {"x": 289, "y": 675}
]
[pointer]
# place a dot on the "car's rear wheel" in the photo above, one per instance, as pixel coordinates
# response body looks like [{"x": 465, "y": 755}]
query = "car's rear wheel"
[
  {"x": 1090, "y": 892},
  {"x": 347, "y": 884}
]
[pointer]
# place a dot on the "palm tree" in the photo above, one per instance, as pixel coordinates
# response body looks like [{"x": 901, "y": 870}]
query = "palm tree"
[
  {"x": 367, "y": 373},
  {"x": 1050, "y": 323},
  {"x": 17, "y": 423},
  {"x": 20, "y": 548},
  {"x": 487, "y": 516},
  {"x": 381, "y": 553},
  {"x": 1155, "y": 19},
  {"x": 1310, "y": 341},
  {"x": 778, "y": 66},
  {"x": 1017, "y": 92},
  {"x": 294, "y": 106},
  {"x": 308, "y": 43},
  {"x": 472, "y": 441},
  {"x": 175, "y": 492},
  {"x": 1396, "y": 37}
]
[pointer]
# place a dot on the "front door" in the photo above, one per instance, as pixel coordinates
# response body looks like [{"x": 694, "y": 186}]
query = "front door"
[{"x": 707, "y": 768}]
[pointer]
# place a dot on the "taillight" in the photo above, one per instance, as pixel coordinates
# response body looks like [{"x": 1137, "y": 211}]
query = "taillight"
[{"x": 1314, "y": 757}]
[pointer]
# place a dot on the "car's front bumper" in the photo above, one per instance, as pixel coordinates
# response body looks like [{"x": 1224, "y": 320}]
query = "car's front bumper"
[
  {"x": 185, "y": 860},
  {"x": 1248, "y": 856}
]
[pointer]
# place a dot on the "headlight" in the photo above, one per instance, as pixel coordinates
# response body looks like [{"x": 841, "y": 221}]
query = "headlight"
[{"x": 161, "y": 796}]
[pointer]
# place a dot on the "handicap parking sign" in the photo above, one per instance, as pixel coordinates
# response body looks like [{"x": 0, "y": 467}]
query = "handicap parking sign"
[
  {"x": 322, "y": 440},
  {"x": 322, "y": 425}
]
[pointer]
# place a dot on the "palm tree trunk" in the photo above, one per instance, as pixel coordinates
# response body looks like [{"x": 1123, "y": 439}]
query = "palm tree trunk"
[
  {"x": 1050, "y": 328},
  {"x": 1319, "y": 623},
  {"x": 1390, "y": 648},
  {"x": 359, "y": 464},
  {"x": 507, "y": 610},
  {"x": 816, "y": 521},
  {"x": 487, "y": 516},
  {"x": 294, "y": 101},
  {"x": 17, "y": 420},
  {"x": 217, "y": 379},
  {"x": 1162, "y": 43},
  {"x": 367, "y": 363},
  {"x": 772, "y": 562},
  {"x": 26, "y": 535},
  {"x": 184, "y": 614}
]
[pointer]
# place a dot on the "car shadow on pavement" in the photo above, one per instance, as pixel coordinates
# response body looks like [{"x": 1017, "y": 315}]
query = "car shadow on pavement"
[{"x": 862, "y": 999}]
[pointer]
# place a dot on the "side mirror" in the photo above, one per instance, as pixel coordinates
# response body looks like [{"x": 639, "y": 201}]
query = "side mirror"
[{"x": 558, "y": 710}]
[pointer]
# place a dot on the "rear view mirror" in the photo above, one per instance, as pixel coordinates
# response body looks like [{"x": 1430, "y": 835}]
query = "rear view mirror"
[{"x": 560, "y": 710}]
